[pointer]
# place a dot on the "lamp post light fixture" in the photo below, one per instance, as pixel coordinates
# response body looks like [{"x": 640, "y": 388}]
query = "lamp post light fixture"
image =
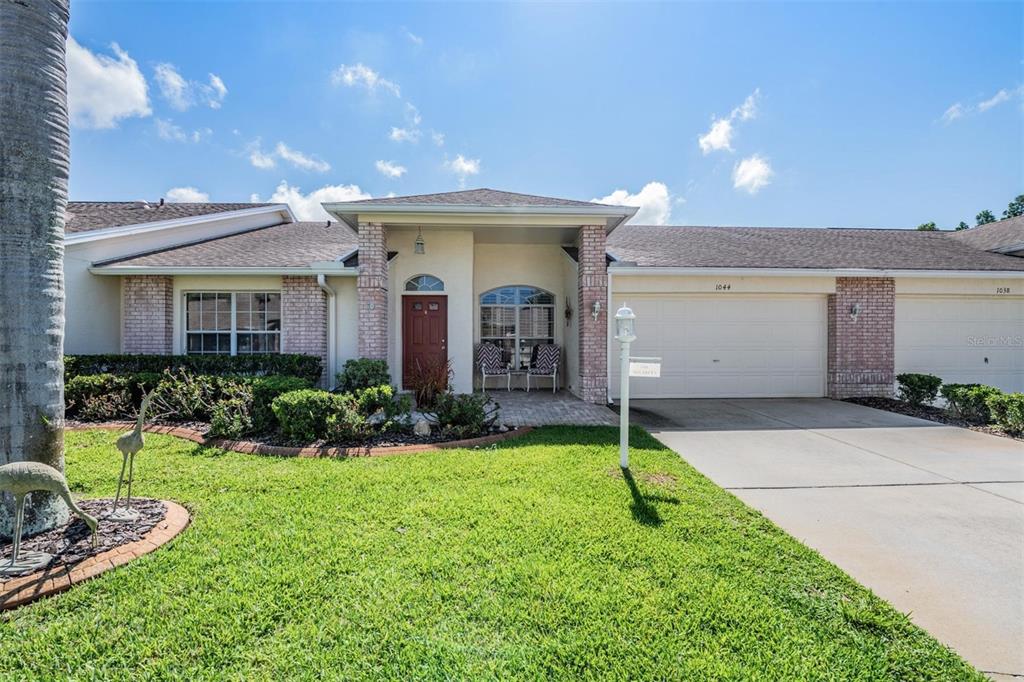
[{"x": 625, "y": 334}]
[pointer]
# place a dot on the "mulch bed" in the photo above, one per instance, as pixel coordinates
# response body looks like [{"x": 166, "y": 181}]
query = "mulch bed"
[
  {"x": 72, "y": 542},
  {"x": 935, "y": 414}
]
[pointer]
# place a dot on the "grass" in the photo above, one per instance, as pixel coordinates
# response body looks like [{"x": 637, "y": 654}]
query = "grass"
[{"x": 533, "y": 559}]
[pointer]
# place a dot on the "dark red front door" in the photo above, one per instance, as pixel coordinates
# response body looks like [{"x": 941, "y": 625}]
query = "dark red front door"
[{"x": 424, "y": 333}]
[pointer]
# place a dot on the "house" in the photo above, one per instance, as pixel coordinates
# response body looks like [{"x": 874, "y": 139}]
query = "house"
[{"x": 732, "y": 311}]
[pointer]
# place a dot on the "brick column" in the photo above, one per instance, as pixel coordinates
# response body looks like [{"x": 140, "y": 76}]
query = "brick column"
[
  {"x": 304, "y": 319},
  {"x": 372, "y": 288},
  {"x": 861, "y": 361},
  {"x": 147, "y": 314},
  {"x": 593, "y": 334}
]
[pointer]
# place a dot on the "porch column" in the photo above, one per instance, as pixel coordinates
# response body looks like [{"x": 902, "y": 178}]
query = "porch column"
[
  {"x": 304, "y": 320},
  {"x": 593, "y": 333},
  {"x": 147, "y": 318},
  {"x": 372, "y": 288},
  {"x": 861, "y": 358}
]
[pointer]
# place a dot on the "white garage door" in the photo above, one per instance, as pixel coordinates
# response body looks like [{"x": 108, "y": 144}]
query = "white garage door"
[
  {"x": 728, "y": 346},
  {"x": 962, "y": 339}
]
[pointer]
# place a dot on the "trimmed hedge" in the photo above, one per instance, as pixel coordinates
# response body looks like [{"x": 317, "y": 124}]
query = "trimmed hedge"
[
  {"x": 360, "y": 373},
  {"x": 305, "y": 366},
  {"x": 969, "y": 401},
  {"x": 1008, "y": 412},
  {"x": 309, "y": 415},
  {"x": 918, "y": 389}
]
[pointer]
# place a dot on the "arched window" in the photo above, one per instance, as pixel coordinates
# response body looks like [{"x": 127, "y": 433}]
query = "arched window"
[
  {"x": 515, "y": 319},
  {"x": 424, "y": 283}
]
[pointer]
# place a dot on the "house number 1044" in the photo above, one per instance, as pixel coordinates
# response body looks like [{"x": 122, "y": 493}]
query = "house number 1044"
[{"x": 723, "y": 287}]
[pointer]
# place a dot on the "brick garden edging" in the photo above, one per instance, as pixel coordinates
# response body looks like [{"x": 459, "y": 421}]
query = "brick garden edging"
[
  {"x": 21, "y": 590},
  {"x": 254, "y": 448}
]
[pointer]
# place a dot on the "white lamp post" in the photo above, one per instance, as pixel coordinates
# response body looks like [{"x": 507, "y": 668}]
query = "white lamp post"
[{"x": 625, "y": 334}]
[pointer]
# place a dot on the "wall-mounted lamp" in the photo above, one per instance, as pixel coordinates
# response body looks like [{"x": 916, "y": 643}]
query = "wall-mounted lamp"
[
  {"x": 419, "y": 247},
  {"x": 596, "y": 309},
  {"x": 854, "y": 311}
]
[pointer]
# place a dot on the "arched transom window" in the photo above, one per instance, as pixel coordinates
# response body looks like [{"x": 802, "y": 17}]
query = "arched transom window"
[
  {"x": 515, "y": 319},
  {"x": 424, "y": 283}
]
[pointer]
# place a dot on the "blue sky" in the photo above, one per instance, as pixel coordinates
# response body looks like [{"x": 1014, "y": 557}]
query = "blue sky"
[{"x": 727, "y": 114}]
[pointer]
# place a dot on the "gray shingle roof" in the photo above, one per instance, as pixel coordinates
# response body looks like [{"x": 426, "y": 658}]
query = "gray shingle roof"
[
  {"x": 765, "y": 247},
  {"x": 279, "y": 246},
  {"x": 476, "y": 197},
  {"x": 83, "y": 216},
  {"x": 994, "y": 236}
]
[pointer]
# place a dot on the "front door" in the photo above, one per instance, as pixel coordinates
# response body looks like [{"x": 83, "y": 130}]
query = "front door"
[{"x": 424, "y": 333}]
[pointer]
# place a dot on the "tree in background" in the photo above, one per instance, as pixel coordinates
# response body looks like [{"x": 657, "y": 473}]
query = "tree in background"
[
  {"x": 33, "y": 200},
  {"x": 962, "y": 226},
  {"x": 927, "y": 227},
  {"x": 1016, "y": 208},
  {"x": 985, "y": 217}
]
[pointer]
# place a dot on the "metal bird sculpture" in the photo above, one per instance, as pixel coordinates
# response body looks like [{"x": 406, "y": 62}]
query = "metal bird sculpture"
[
  {"x": 20, "y": 479},
  {"x": 129, "y": 444}
]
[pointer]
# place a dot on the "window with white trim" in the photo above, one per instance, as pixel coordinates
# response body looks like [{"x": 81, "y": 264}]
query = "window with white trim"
[
  {"x": 424, "y": 283},
  {"x": 515, "y": 319},
  {"x": 232, "y": 323}
]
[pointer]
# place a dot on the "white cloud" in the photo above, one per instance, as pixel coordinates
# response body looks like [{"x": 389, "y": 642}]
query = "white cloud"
[
  {"x": 404, "y": 134},
  {"x": 182, "y": 93},
  {"x": 300, "y": 160},
  {"x": 257, "y": 157},
  {"x": 363, "y": 76},
  {"x": 751, "y": 174},
  {"x": 307, "y": 206},
  {"x": 953, "y": 113},
  {"x": 463, "y": 167},
  {"x": 413, "y": 38},
  {"x": 187, "y": 195},
  {"x": 996, "y": 99},
  {"x": 390, "y": 169},
  {"x": 719, "y": 136},
  {"x": 413, "y": 114},
  {"x": 168, "y": 130},
  {"x": 437, "y": 138},
  {"x": 102, "y": 89},
  {"x": 653, "y": 201}
]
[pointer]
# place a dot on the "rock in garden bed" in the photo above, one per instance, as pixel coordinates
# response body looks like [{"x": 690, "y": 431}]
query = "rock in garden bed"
[
  {"x": 72, "y": 542},
  {"x": 929, "y": 412}
]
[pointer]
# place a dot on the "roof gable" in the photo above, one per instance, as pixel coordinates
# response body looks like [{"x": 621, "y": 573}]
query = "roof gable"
[
  {"x": 1004, "y": 236},
  {"x": 476, "y": 197}
]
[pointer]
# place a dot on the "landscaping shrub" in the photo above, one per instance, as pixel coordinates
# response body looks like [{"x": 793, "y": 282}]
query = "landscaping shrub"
[
  {"x": 429, "y": 380},
  {"x": 1007, "y": 411},
  {"x": 363, "y": 373},
  {"x": 98, "y": 397},
  {"x": 462, "y": 415},
  {"x": 232, "y": 415},
  {"x": 918, "y": 389},
  {"x": 309, "y": 414},
  {"x": 259, "y": 364},
  {"x": 969, "y": 401},
  {"x": 264, "y": 390},
  {"x": 184, "y": 396}
]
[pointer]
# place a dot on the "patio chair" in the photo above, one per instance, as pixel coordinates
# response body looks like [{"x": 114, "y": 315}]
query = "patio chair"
[
  {"x": 488, "y": 358},
  {"x": 545, "y": 364}
]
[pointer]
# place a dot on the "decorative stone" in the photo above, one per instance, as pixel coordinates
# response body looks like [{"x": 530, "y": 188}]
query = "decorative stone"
[
  {"x": 421, "y": 428},
  {"x": 503, "y": 428}
]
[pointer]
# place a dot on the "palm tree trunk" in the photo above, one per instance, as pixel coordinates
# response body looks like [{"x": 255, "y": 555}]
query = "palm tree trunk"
[{"x": 33, "y": 198}]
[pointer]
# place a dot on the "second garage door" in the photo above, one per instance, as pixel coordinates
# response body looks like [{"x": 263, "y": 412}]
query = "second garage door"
[{"x": 728, "y": 346}]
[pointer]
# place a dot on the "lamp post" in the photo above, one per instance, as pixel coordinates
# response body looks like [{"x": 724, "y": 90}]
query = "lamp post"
[{"x": 625, "y": 334}]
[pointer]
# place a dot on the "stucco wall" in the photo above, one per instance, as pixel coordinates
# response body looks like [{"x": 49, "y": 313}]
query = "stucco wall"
[
  {"x": 346, "y": 310},
  {"x": 449, "y": 256},
  {"x": 571, "y": 328}
]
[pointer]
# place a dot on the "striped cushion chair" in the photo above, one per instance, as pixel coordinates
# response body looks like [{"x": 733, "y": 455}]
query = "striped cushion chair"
[
  {"x": 488, "y": 359},
  {"x": 545, "y": 364}
]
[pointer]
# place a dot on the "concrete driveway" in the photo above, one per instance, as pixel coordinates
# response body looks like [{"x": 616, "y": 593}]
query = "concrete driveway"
[{"x": 930, "y": 517}]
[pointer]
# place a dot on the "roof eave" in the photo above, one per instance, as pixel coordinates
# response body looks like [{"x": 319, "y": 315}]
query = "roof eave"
[
  {"x": 331, "y": 268},
  {"x": 348, "y": 212},
  {"x": 627, "y": 268}
]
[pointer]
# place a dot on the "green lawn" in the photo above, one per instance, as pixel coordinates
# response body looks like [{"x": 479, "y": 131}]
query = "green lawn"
[{"x": 533, "y": 559}]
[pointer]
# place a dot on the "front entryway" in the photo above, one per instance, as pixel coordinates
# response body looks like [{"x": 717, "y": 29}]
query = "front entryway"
[{"x": 424, "y": 333}]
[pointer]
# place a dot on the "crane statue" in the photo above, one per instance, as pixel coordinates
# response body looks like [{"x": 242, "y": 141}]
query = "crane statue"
[
  {"x": 129, "y": 444},
  {"x": 20, "y": 479}
]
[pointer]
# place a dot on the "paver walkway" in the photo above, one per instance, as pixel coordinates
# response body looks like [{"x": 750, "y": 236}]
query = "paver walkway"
[{"x": 542, "y": 408}]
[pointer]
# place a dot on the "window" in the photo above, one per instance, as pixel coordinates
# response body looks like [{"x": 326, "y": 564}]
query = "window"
[
  {"x": 515, "y": 319},
  {"x": 424, "y": 283},
  {"x": 232, "y": 323}
]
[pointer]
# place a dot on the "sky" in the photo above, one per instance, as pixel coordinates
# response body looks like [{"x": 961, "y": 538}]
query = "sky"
[{"x": 785, "y": 114}]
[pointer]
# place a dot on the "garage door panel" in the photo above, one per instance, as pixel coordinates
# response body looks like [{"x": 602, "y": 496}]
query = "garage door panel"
[
  {"x": 962, "y": 339},
  {"x": 730, "y": 345}
]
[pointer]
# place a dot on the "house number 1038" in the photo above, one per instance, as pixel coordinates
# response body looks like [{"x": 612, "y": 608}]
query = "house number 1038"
[{"x": 1002, "y": 290}]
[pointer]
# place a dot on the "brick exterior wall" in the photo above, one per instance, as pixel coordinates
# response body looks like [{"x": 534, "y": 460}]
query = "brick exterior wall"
[
  {"x": 861, "y": 360},
  {"x": 593, "y": 334},
  {"x": 147, "y": 314},
  {"x": 372, "y": 289},
  {"x": 304, "y": 319}
]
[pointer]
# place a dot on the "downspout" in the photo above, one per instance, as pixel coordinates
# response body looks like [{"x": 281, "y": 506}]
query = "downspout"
[
  {"x": 332, "y": 333},
  {"x": 608, "y": 340}
]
